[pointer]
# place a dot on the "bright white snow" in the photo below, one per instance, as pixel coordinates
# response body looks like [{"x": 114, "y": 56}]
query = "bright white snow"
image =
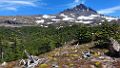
[
  {"x": 40, "y": 21},
  {"x": 48, "y": 16}
]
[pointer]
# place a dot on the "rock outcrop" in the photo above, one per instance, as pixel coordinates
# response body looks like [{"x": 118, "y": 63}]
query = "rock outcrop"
[{"x": 114, "y": 47}]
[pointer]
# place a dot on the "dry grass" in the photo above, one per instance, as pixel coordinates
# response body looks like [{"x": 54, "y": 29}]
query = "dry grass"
[{"x": 71, "y": 57}]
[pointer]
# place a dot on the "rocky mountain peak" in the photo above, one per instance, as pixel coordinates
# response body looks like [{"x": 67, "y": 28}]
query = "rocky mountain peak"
[
  {"x": 81, "y": 7},
  {"x": 80, "y": 10}
]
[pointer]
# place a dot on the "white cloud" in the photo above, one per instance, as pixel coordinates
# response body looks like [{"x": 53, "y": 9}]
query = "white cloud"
[
  {"x": 109, "y": 10},
  {"x": 76, "y": 2},
  {"x": 29, "y": 3},
  {"x": 80, "y": 1},
  {"x": 16, "y": 4},
  {"x": 10, "y": 8}
]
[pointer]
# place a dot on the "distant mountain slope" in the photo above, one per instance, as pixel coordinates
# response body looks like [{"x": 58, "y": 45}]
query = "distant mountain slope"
[{"x": 75, "y": 15}]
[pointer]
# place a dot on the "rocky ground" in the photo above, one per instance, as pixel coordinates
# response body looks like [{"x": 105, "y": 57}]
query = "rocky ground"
[{"x": 74, "y": 56}]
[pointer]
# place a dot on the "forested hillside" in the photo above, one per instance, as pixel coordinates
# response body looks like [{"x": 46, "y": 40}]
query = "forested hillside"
[{"x": 38, "y": 40}]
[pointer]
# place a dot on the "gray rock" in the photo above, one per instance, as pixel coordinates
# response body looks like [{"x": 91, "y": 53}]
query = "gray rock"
[{"x": 114, "y": 47}]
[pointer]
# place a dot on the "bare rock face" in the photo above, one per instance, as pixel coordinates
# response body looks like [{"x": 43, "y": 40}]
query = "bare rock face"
[
  {"x": 114, "y": 47},
  {"x": 80, "y": 10}
]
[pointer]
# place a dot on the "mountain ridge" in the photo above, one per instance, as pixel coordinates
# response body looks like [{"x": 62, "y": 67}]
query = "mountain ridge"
[
  {"x": 79, "y": 9},
  {"x": 77, "y": 14}
]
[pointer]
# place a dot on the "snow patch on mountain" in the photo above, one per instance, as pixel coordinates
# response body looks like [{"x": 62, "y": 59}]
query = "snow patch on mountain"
[
  {"x": 48, "y": 16},
  {"x": 40, "y": 21},
  {"x": 85, "y": 18},
  {"x": 110, "y": 18}
]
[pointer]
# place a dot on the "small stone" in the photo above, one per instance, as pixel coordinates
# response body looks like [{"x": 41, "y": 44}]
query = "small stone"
[{"x": 4, "y": 64}]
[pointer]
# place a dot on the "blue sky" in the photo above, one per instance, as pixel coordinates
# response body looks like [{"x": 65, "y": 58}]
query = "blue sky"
[{"x": 32, "y": 7}]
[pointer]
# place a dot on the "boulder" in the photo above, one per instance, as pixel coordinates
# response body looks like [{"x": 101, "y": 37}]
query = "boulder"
[{"x": 114, "y": 47}]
